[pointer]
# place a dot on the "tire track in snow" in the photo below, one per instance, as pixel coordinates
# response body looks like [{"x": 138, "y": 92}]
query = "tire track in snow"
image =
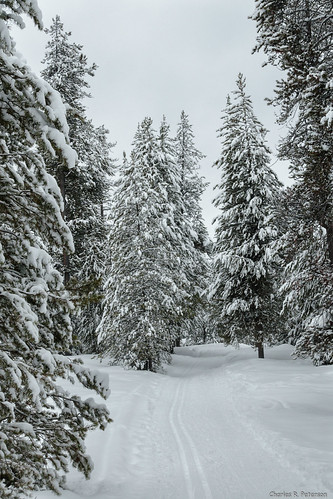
[{"x": 181, "y": 436}]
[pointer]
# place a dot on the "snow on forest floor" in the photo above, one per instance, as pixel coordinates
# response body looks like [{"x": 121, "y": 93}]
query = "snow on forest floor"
[{"x": 218, "y": 424}]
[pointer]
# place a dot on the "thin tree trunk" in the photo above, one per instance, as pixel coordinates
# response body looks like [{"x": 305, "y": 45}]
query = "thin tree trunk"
[
  {"x": 260, "y": 347},
  {"x": 329, "y": 235},
  {"x": 66, "y": 267},
  {"x": 204, "y": 336},
  {"x": 65, "y": 259},
  {"x": 148, "y": 365}
]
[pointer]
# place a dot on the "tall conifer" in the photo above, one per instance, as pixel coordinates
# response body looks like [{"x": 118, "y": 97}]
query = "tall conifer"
[
  {"x": 143, "y": 292},
  {"x": 242, "y": 290},
  {"x": 42, "y": 425},
  {"x": 196, "y": 265},
  {"x": 85, "y": 187},
  {"x": 297, "y": 37}
]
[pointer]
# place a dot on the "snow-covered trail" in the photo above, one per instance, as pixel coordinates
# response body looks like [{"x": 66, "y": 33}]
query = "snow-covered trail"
[
  {"x": 204, "y": 450},
  {"x": 218, "y": 424}
]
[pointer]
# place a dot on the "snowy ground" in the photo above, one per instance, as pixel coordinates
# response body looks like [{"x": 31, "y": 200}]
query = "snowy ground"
[{"x": 219, "y": 424}]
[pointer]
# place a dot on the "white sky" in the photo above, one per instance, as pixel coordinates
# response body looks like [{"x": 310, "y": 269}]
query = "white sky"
[{"x": 160, "y": 57}]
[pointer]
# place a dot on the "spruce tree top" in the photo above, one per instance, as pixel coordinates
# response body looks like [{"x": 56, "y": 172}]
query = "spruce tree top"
[{"x": 66, "y": 66}]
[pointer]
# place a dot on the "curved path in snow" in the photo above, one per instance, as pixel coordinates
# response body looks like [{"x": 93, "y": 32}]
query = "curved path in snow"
[
  {"x": 183, "y": 435},
  {"x": 201, "y": 448},
  {"x": 193, "y": 471}
]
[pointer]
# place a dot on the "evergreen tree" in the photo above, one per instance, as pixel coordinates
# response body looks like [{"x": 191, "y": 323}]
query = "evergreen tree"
[
  {"x": 42, "y": 425},
  {"x": 85, "y": 187},
  {"x": 307, "y": 286},
  {"x": 182, "y": 246},
  {"x": 297, "y": 36},
  {"x": 242, "y": 290},
  {"x": 143, "y": 291},
  {"x": 196, "y": 265}
]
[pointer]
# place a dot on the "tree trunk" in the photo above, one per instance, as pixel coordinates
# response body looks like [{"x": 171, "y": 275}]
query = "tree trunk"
[
  {"x": 148, "y": 365},
  {"x": 65, "y": 259},
  {"x": 204, "y": 334},
  {"x": 260, "y": 347},
  {"x": 177, "y": 342},
  {"x": 329, "y": 235}
]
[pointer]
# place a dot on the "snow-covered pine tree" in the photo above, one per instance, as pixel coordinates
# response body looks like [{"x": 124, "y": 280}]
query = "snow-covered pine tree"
[
  {"x": 85, "y": 188},
  {"x": 196, "y": 266},
  {"x": 142, "y": 292},
  {"x": 307, "y": 286},
  {"x": 42, "y": 425},
  {"x": 244, "y": 307},
  {"x": 88, "y": 223},
  {"x": 182, "y": 245},
  {"x": 297, "y": 36}
]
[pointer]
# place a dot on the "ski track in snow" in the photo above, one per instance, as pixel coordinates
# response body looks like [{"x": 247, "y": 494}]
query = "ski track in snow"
[
  {"x": 188, "y": 453},
  {"x": 218, "y": 424},
  {"x": 173, "y": 416}
]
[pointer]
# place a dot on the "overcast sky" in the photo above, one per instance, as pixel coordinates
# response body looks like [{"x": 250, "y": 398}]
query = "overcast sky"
[{"x": 160, "y": 57}]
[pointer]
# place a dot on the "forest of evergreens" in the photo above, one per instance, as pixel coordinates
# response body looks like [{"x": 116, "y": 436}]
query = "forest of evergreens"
[{"x": 113, "y": 258}]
